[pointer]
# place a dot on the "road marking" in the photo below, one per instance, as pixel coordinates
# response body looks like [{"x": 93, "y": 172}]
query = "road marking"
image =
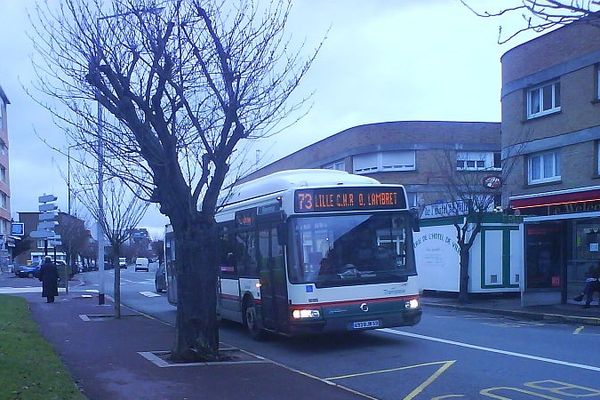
[
  {"x": 150, "y": 294},
  {"x": 382, "y": 371},
  {"x": 576, "y": 331},
  {"x": 491, "y": 350},
  {"x": 429, "y": 380},
  {"x": 488, "y": 393},
  {"x": 448, "y": 396}
]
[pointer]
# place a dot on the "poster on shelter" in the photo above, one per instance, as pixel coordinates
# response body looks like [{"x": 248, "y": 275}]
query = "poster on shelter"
[{"x": 437, "y": 257}]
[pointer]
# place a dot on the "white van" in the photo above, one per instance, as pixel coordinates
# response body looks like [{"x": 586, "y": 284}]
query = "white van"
[{"x": 141, "y": 263}]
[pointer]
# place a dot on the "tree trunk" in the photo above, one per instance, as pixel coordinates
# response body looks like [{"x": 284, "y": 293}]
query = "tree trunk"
[
  {"x": 197, "y": 336},
  {"x": 463, "y": 294},
  {"x": 117, "y": 283}
]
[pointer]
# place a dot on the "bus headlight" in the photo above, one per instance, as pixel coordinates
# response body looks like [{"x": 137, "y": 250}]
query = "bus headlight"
[
  {"x": 306, "y": 314},
  {"x": 412, "y": 304}
]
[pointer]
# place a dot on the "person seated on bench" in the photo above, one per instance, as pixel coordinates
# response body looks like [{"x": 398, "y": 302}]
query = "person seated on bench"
[{"x": 592, "y": 284}]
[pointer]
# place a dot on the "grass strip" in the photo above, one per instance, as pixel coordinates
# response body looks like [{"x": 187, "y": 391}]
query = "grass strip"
[{"x": 29, "y": 367}]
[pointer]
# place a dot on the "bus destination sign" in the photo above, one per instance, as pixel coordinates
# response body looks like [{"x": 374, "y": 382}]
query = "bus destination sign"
[{"x": 348, "y": 199}]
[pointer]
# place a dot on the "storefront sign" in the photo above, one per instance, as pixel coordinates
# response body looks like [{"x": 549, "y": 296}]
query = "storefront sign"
[
  {"x": 445, "y": 210},
  {"x": 567, "y": 208}
]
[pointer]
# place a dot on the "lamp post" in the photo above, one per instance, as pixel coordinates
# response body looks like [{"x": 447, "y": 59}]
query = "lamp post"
[{"x": 100, "y": 150}]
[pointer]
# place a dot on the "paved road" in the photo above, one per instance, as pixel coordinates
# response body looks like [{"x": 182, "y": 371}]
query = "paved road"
[{"x": 450, "y": 354}]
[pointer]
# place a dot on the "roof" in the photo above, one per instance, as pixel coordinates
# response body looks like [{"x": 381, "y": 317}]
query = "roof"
[{"x": 280, "y": 181}]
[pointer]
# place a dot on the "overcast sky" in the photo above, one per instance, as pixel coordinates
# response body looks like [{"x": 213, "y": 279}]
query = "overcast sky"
[{"x": 383, "y": 60}]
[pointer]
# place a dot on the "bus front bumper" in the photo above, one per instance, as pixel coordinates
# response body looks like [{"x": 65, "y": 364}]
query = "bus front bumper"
[{"x": 356, "y": 323}]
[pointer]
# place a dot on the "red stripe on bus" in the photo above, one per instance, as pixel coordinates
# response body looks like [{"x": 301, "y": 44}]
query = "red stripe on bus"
[{"x": 349, "y": 302}]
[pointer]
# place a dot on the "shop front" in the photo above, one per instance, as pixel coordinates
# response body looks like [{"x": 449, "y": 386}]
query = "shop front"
[{"x": 561, "y": 243}]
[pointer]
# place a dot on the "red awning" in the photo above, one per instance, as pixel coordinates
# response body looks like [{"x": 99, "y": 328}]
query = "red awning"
[{"x": 556, "y": 199}]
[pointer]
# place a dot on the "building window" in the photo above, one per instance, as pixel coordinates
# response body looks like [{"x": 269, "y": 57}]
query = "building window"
[
  {"x": 544, "y": 167},
  {"x": 477, "y": 161},
  {"x": 3, "y": 148},
  {"x": 339, "y": 165},
  {"x": 384, "y": 161},
  {"x": 2, "y": 174},
  {"x": 3, "y": 200},
  {"x": 1, "y": 113},
  {"x": 543, "y": 100}
]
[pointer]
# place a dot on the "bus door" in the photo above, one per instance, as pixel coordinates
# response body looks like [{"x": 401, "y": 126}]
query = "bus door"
[{"x": 273, "y": 280}]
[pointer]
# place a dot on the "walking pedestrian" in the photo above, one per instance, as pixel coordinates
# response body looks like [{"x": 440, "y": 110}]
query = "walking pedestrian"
[{"x": 49, "y": 277}]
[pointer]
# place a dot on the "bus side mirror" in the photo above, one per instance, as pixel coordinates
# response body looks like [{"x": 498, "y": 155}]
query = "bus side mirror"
[
  {"x": 415, "y": 220},
  {"x": 282, "y": 234}
]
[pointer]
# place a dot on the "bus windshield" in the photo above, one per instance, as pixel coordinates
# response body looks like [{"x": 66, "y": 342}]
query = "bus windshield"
[{"x": 351, "y": 249}]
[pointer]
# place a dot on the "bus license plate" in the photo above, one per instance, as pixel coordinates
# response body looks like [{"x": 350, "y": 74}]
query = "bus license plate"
[{"x": 365, "y": 324}]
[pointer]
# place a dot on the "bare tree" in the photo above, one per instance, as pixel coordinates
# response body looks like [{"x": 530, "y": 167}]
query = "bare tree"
[
  {"x": 74, "y": 236},
  {"x": 473, "y": 191},
  {"x": 123, "y": 211},
  {"x": 541, "y": 15},
  {"x": 186, "y": 86}
]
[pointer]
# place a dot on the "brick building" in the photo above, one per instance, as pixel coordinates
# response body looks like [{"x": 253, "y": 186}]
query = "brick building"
[
  {"x": 5, "y": 221},
  {"x": 410, "y": 153},
  {"x": 551, "y": 130}
]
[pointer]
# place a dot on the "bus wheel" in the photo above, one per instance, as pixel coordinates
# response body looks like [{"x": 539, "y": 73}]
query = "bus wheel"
[{"x": 251, "y": 321}]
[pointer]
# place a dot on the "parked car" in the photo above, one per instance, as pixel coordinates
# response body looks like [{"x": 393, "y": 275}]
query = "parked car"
[
  {"x": 160, "y": 279},
  {"x": 122, "y": 262},
  {"x": 141, "y": 264},
  {"x": 28, "y": 271}
]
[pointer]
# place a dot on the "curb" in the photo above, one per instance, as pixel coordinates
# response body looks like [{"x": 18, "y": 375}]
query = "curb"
[{"x": 573, "y": 319}]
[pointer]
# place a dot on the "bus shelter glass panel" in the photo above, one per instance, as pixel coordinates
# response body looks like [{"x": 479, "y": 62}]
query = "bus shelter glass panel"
[
  {"x": 544, "y": 255},
  {"x": 351, "y": 249}
]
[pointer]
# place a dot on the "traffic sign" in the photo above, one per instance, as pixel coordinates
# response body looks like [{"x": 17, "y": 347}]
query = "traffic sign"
[
  {"x": 47, "y": 198},
  {"x": 48, "y": 216},
  {"x": 48, "y": 207},
  {"x": 41, "y": 234},
  {"x": 47, "y": 225},
  {"x": 54, "y": 243}
]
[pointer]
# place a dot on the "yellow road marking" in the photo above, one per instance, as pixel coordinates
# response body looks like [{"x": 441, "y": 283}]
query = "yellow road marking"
[
  {"x": 429, "y": 380},
  {"x": 576, "y": 332},
  {"x": 382, "y": 371},
  {"x": 488, "y": 393}
]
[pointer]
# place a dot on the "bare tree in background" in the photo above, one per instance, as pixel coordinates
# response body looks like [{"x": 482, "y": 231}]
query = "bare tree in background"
[
  {"x": 539, "y": 15},
  {"x": 472, "y": 194},
  {"x": 186, "y": 86},
  {"x": 123, "y": 211}
]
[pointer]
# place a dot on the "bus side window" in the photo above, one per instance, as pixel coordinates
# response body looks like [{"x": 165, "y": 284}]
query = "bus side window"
[{"x": 246, "y": 253}]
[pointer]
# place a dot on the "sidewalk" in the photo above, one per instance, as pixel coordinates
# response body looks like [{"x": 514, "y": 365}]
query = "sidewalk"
[
  {"x": 103, "y": 356},
  {"x": 511, "y": 306}
]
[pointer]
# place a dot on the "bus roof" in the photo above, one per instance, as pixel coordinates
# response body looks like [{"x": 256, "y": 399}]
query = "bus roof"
[{"x": 297, "y": 178}]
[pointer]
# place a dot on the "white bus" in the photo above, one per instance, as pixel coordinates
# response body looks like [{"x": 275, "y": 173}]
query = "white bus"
[{"x": 312, "y": 251}]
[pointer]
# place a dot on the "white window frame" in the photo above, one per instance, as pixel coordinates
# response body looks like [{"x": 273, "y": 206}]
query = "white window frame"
[
  {"x": 378, "y": 163},
  {"x": 542, "y": 157},
  {"x": 476, "y": 161},
  {"x": 339, "y": 165},
  {"x": 554, "y": 107}
]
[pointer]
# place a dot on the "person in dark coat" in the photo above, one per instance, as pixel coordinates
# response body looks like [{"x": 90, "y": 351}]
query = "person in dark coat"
[
  {"x": 49, "y": 277},
  {"x": 592, "y": 284}
]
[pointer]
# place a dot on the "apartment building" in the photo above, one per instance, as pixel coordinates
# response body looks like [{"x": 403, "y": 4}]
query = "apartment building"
[
  {"x": 417, "y": 154},
  {"x": 5, "y": 220},
  {"x": 551, "y": 132}
]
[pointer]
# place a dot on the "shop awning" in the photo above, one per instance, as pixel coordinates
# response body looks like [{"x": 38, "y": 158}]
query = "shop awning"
[{"x": 556, "y": 199}]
